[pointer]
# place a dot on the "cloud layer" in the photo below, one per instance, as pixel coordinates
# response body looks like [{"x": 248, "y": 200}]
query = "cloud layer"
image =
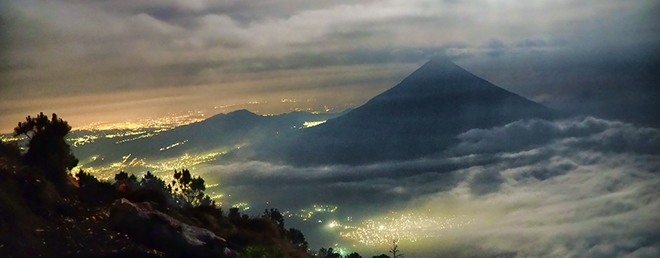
[
  {"x": 557, "y": 52},
  {"x": 582, "y": 187}
]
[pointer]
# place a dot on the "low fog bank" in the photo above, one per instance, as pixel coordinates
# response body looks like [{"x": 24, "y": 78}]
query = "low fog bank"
[{"x": 581, "y": 187}]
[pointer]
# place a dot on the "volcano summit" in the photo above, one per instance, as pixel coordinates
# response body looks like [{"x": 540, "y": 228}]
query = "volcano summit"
[{"x": 419, "y": 116}]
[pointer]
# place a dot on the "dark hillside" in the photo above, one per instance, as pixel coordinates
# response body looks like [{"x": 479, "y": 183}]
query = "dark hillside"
[{"x": 46, "y": 212}]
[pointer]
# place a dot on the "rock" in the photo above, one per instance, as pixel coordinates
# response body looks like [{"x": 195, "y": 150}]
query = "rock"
[{"x": 146, "y": 225}]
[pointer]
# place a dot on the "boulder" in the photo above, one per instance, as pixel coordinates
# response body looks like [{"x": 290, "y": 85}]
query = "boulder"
[{"x": 146, "y": 225}]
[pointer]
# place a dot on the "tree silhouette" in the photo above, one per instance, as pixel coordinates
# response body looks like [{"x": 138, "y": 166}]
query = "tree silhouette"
[
  {"x": 381, "y": 256},
  {"x": 47, "y": 148},
  {"x": 328, "y": 253},
  {"x": 150, "y": 181},
  {"x": 277, "y": 218},
  {"x": 93, "y": 191},
  {"x": 126, "y": 183},
  {"x": 85, "y": 179},
  {"x": 9, "y": 153},
  {"x": 297, "y": 238},
  {"x": 191, "y": 189},
  {"x": 121, "y": 176},
  {"x": 394, "y": 249},
  {"x": 354, "y": 255},
  {"x": 233, "y": 213}
]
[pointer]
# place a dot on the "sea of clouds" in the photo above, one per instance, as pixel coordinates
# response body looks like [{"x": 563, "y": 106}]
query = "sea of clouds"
[{"x": 580, "y": 187}]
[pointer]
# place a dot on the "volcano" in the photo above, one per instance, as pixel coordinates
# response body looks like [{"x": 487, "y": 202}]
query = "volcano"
[{"x": 420, "y": 116}]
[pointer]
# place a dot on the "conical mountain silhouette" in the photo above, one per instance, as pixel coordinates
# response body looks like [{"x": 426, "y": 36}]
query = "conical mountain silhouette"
[{"x": 420, "y": 116}]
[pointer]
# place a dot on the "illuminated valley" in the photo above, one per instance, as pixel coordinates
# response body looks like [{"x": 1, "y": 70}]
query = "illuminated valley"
[
  {"x": 138, "y": 165},
  {"x": 169, "y": 121},
  {"x": 118, "y": 133},
  {"x": 403, "y": 227}
]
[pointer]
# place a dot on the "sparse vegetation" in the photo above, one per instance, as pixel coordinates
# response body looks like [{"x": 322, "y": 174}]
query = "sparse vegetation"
[
  {"x": 327, "y": 253},
  {"x": 354, "y": 255},
  {"x": 47, "y": 149},
  {"x": 190, "y": 190},
  {"x": 45, "y": 211},
  {"x": 394, "y": 249},
  {"x": 38, "y": 194}
]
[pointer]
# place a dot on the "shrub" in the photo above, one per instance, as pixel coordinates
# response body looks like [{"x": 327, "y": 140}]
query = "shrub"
[
  {"x": 188, "y": 191},
  {"x": 259, "y": 252},
  {"x": 47, "y": 148},
  {"x": 93, "y": 191}
]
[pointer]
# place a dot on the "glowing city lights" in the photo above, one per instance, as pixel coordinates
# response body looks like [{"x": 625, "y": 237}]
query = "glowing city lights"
[
  {"x": 309, "y": 212},
  {"x": 166, "y": 122},
  {"x": 167, "y": 166},
  {"x": 185, "y": 161},
  {"x": 409, "y": 227},
  {"x": 173, "y": 145},
  {"x": 333, "y": 224},
  {"x": 82, "y": 140},
  {"x": 241, "y": 206},
  {"x": 313, "y": 123}
]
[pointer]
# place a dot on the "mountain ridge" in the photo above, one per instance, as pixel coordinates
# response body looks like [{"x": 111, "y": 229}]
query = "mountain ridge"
[
  {"x": 224, "y": 131},
  {"x": 419, "y": 116}
]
